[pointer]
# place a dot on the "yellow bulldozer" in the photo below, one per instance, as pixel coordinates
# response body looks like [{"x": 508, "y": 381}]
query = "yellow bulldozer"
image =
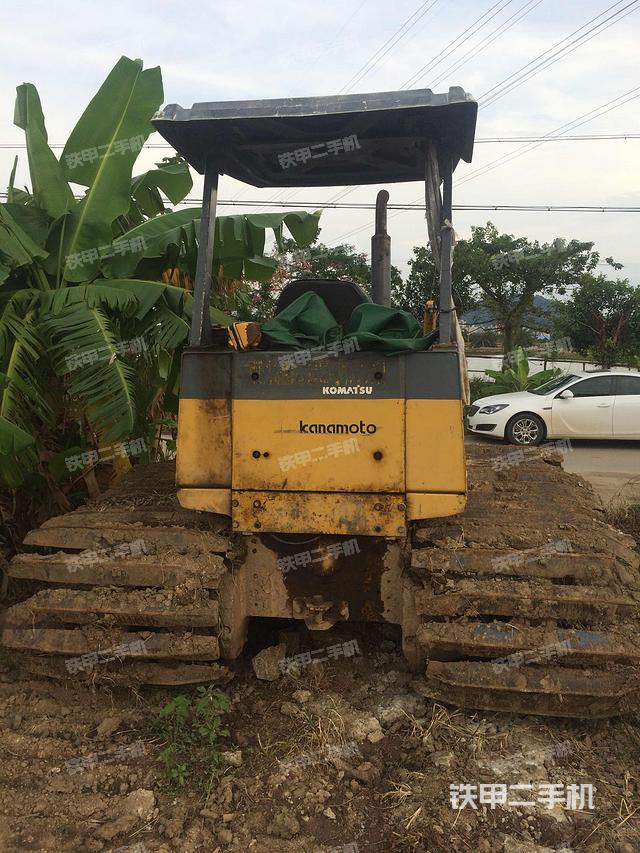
[{"x": 333, "y": 486}]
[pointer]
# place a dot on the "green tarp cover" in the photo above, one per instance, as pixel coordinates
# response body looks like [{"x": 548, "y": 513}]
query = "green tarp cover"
[{"x": 308, "y": 323}]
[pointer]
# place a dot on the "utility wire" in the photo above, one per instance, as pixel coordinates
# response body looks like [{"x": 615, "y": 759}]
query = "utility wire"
[
  {"x": 346, "y": 191},
  {"x": 517, "y": 16},
  {"x": 390, "y": 43},
  {"x": 593, "y": 114},
  {"x": 505, "y": 81},
  {"x": 462, "y": 38},
  {"x": 478, "y": 141},
  {"x": 334, "y": 38},
  {"x": 589, "y": 137},
  {"x": 543, "y": 208},
  {"x": 448, "y": 49},
  {"x": 368, "y": 66},
  {"x": 504, "y": 88}
]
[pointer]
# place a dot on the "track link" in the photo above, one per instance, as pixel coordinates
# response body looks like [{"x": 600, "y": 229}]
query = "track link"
[
  {"x": 529, "y": 602},
  {"x": 132, "y": 594}
]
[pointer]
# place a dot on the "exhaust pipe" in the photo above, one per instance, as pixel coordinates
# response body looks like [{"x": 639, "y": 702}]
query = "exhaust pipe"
[{"x": 381, "y": 254}]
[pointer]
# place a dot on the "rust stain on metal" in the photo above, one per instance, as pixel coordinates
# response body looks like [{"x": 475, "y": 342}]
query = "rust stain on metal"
[{"x": 354, "y": 579}]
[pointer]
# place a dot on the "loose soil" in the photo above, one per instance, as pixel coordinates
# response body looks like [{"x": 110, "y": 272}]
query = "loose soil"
[
  {"x": 340, "y": 756},
  {"x": 339, "y": 753}
]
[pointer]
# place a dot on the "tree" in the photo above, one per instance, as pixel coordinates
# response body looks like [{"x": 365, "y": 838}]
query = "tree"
[
  {"x": 483, "y": 338},
  {"x": 321, "y": 261},
  {"x": 423, "y": 283},
  {"x": 80, "y": 279},
  {"x": 507, "y": 272},
  {"x": 602, "y": 319}
]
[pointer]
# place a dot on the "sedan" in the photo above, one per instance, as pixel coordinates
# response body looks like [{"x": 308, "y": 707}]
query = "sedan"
[{"x": 602, "y": 404}]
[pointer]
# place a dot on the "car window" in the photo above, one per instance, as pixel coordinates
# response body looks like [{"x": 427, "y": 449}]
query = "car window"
[
  {"x": 628, "y": 385},
  {"x": 553, "y": 385},
  {"x": 595, "y": 386}
]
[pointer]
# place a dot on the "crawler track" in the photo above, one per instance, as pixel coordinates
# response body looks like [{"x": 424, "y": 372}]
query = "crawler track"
[
  {"x": 529, "y": 602},
  {"x": 149, "y": 615}
]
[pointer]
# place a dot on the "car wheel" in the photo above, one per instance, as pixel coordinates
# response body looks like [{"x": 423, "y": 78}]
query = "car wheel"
[{"x": 525, "y": 429}]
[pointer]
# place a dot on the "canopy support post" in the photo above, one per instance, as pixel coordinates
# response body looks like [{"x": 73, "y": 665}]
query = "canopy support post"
[
  {"x": 446, "y": 245},
  {"x": 201, "y": 320}
]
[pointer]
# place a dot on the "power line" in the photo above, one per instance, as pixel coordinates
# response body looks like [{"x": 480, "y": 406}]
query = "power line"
[
  {"x": 452, "y": 44},
  {"x": 462, "y": 38},
  {"x": 368, "y": 66},
  {"x": 390, "y": 43},
  {"x": 571, "y": 125},
  {"x": 545, "y": 208},
  {"x": 517, "y": 16},
  {"x": 398, "y": 35},
  {"x": 585, "y": 118},
  {"x": 505, "y": 88},
  {"x": 294, "y": 205},
  {"x": 478, "y": 141},
  {"x": 515, "y": 73},
  {"x": 346, "y": 191},
  {"x": 589, "y": 137},
  {"x": 500, "y": 93},
  {"x": 348, "y": 20},
  {"x": 553, "y": 135},
  {"x": 333, "y": 202}
]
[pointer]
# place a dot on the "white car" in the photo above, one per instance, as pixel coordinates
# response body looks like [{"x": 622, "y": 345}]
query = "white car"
[{"x": 602, "y": 404}]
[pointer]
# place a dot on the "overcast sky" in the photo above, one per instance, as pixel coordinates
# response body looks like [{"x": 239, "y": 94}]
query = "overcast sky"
[{"x": 250, "y": 49}]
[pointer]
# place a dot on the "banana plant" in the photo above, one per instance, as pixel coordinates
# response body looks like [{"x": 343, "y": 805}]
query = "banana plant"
[
  {"x": 517, "y": 377},
  {"x": 84, "y": 273}
]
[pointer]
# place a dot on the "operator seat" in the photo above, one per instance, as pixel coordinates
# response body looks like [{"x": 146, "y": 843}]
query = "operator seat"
[{"x": 340, "y": 297}]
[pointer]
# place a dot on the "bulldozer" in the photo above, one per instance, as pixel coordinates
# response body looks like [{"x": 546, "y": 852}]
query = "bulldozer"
[{"x": 338, "y": 489}]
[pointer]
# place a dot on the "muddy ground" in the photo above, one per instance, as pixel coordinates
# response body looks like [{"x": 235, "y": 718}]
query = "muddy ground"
[
  {"x": 342, "y": 756},
  {"x": 339, "y": 753}
]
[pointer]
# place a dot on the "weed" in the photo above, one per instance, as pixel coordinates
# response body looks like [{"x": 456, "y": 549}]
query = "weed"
[
  {"x": 190, "y": 726},
  {"x": 626, "y": 517}
]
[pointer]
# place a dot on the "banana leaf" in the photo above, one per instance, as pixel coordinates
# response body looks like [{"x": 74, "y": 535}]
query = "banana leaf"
[
  {"x": 239, "y": 240},
  {"x": 16, "y": 245},
  {"x": 104, "y": 387},
  {"x": 33, "y": 220},
  {"x": 93, "y": 295},
  {"x": 172, "y": 177},
  {"x": 48, "y": 185},
  {"x": 517, "y": 378},
  {"x": 100, "y": 154},
  {"x": 13, "y": 439}
]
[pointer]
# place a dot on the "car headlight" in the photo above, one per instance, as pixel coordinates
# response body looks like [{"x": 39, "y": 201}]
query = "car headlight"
[{"x": 491, "y": 410}]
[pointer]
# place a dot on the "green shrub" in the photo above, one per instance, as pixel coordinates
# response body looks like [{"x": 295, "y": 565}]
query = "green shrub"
[{"x": 191, "y": 726}]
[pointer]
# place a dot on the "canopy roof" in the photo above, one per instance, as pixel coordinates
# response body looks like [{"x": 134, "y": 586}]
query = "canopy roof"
[{"x": 331, "y": 141}]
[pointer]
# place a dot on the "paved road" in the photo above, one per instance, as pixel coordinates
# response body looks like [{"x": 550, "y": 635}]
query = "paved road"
[{"x": 612, "y": 467}]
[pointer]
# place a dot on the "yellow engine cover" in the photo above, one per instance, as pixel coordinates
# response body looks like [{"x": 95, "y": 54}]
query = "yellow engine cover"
[
  {"x": 363, "y": 442},
  {"x": 319, "y": 445}
]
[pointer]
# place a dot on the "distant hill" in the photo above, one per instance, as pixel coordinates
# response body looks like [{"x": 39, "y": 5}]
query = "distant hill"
[{"x": 483, "y": 318}]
